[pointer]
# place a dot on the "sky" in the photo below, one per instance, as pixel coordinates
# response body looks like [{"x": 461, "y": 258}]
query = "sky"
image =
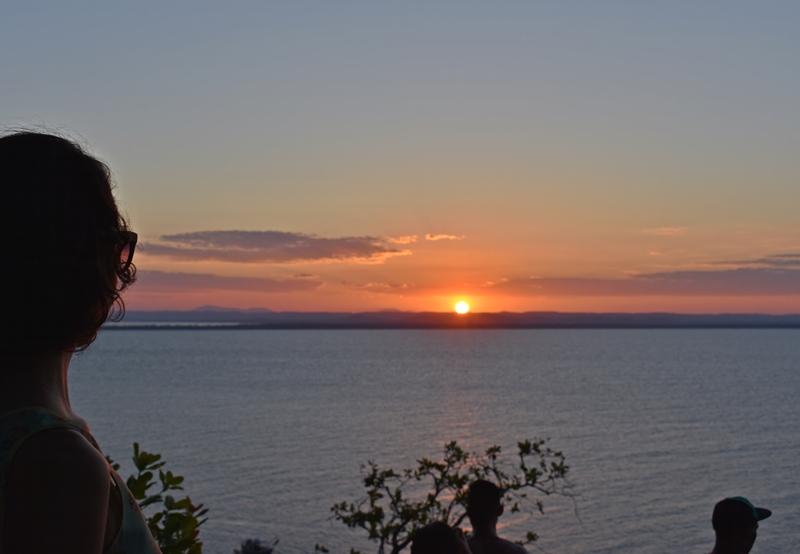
[{"x": 355, "y": 156}]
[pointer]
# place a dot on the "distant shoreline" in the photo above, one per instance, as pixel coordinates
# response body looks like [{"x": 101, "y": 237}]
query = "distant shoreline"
[{"x": 220, "y": 319}]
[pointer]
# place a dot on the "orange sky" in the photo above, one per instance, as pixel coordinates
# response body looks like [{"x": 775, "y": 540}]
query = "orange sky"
[{"x": 432, "y": 275}]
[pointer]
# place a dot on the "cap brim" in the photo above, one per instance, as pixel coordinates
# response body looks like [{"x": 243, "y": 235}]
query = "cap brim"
[{"x": 762, "y": 513}]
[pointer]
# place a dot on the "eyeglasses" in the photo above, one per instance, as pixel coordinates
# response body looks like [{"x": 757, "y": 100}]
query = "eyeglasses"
[{"x": 127, "y": 244}]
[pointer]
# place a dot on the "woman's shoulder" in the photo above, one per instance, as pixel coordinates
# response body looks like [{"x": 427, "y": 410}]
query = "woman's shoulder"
[
  {"x": 60, "y": 450},
  {"x": 56, "y": 495}
]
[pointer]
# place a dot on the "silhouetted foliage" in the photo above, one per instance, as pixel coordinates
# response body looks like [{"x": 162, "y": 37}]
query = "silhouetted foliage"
[
  {"x": 175, "y": 523},
  {"x": 256, "y": 546},
  {"x": 398, "y": 503}
]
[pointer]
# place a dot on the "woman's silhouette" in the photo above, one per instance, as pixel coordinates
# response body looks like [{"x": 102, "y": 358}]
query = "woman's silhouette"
[{"x": 65, "y": 257}]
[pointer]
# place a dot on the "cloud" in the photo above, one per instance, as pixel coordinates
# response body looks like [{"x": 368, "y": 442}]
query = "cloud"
[
  {"x": 665, "y": 231},
  {"x": 430, "y": 236},
  {"x": 274, "y": 247},
  {"x": 776, "y": 261},
  {"x": 732, "y": 282},
  {"x": 160, "y": 281},
  {"x": 407, "y": 239},
  {"x": 384, "y": 287}
]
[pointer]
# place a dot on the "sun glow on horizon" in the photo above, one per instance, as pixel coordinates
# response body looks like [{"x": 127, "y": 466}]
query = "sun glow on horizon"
[{"x": 462, "y": 307}]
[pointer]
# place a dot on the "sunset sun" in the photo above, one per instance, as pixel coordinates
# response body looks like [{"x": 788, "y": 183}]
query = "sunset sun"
[{"x": 462, "y": 307}]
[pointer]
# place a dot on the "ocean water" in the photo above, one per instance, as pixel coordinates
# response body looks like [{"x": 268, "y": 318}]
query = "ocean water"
[{"x": 270, "y": 427}]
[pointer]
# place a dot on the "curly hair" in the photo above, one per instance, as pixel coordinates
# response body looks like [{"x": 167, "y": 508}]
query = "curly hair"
[{"x": 60, "y": 245}]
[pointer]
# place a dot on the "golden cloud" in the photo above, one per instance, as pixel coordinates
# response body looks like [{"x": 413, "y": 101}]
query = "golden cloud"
[{"x": 430, "y": 236}]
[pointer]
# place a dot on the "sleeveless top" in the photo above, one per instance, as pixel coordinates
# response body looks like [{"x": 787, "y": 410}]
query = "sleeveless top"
[{"x": 17, "y": 426}]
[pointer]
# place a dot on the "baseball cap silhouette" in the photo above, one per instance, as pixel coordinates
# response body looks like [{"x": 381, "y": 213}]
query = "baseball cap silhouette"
[{"x": 736, "y": 512}]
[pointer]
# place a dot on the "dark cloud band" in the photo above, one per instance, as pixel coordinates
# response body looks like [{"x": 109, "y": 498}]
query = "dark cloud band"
[
  {"x": 777, "y": 260},
  {"x": 734, "y": 282},
  {"x": 269, "y": 247},
  {"x": 161, "y": 281}
]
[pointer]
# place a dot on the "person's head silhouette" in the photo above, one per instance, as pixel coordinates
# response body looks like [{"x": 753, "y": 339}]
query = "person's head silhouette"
[
  {"x": 735, "y": 521},
  {"x": 435, "y": 538},
  {"x": 484, "y": 504},
  {"x": 61, "y": 242},
  {"x": 484, "y": 507}
]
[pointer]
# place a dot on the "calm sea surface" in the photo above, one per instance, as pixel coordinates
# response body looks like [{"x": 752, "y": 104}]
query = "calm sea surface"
[{"x": 270, "y": 427}]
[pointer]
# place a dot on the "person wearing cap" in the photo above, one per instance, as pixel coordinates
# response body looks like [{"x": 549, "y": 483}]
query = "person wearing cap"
[{"x": 735, "y": 522}]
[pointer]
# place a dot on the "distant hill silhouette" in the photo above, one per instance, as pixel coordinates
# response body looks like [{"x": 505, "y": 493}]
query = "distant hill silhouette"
[{"x": 266, "y": 319}]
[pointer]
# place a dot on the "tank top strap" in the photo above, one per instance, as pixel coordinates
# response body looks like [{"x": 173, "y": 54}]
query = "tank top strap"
[
  {"x": 19, "y": 425},
  {"x": 134, "y": 535}
]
